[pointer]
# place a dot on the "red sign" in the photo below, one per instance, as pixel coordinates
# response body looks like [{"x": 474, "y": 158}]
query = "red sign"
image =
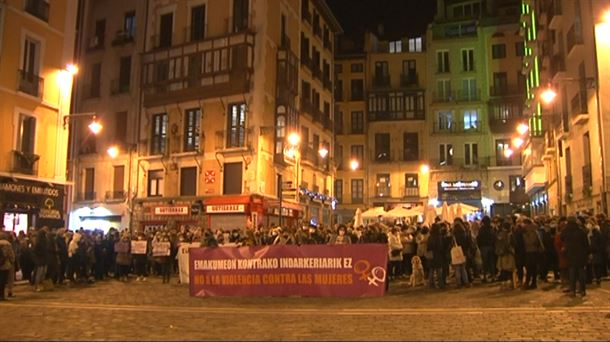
[
  {"x": 288, "y": 270},
  {"x": 210, "y": 177},
  {"x": 177, "y": 210}
]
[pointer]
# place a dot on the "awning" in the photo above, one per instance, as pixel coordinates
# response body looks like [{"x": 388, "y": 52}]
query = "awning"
[{"x": 227, "y": 200}]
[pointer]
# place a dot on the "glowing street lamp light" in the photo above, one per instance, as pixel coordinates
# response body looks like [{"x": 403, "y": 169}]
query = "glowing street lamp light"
[
  {"x": 113, "y": 151},
  {"x": 606, "y": 17},
  {"x": 508, "y": 153},
  {"x": 95, "y": 127},
  {"x": 72, "y": 69},
  {"x": 424, "y": 168},
  {"x": 294, "y": 139},
  {"x": 522, "y": 128},
  {"x": 517, "y": 142},
  {"x": 548, "y": 95},
  {"x": 354, "y": 164},
  {"x": 323, "y": 152}
]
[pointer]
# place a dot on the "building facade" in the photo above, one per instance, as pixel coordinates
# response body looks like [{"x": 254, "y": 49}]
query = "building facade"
[
  {"x": 565, "y": 42},
  {"x": 474, "y": 52},
  {"x": 214, "y": 91},
  {"x": 36, "y": 45}
]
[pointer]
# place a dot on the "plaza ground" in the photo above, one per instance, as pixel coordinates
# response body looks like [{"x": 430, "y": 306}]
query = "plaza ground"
[{"x": 111, "y": 310}]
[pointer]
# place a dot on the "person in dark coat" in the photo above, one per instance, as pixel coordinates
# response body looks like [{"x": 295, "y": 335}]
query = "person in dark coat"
[
  {"x": 576, "y": 250},
  {"x": 486, "y": 241},
  {"x": 598, "y": 250},
  {"x": 62, "y": 252},
  {"x": 519, "y": 245},
  {"x": 437, "y": 244},
  {"x": 41, "y": 257}
]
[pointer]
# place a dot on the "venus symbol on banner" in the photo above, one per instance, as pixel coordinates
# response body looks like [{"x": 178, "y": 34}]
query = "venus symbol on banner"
[{"x": 377, "y": 274}]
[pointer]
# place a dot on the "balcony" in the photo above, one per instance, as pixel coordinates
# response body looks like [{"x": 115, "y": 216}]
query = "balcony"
[
  {"x": 503, "y": 125},
  {"x": 587, "y": 180},
  {"x": 234, "y": 140},
  {"x": 410, "y": 192},
  {"x": 387, "y": 115},
  {"x": 381, "y": 81},
  {"x": 506, "y": 91},
  {"x": 579, "y": 110},
  {"x": 328, "y": 84},
  {"x": 216, "y": 68},
  {"x": 287, "y": 76},
  {"x": 574, "y": 41},
  {"x": 38, "y": 8},
  {"x": 86, "y": 196},
  {"x": 316, "y": 71},
  {"x": 122, "y": 37},
  {"x": 195, "y": 33},
  {"x": 466, "y": 29},
  {"x": 569, "y": 191},
  {"x": 25, "y": 163},
  {"x": 409, "y": 80},
  {"x": 306, "y": 61},
  {"x": 454, "y": 163},
  {"x": 443, "y": 97},
  {"x": 558, "y": 66},
  {"x": 469, "y": 95},
  {"x": 118, "y": 87},
  {"x": 555, "y": 14},
  {"x": 306, "y": 16},
  {"x": 456, "y": 127},
  {"x": 92, "y": 90},
  {"x": 514, "y": 160},
  {"x": 30, "y": 83},
  {"x": 381, "y": 157},
  {"x": 116, "y": 195},
  {"x": 311, "y": 156}
]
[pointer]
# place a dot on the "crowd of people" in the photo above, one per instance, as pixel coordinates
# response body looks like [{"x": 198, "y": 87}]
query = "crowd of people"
[{"x": 515, "y": 251}]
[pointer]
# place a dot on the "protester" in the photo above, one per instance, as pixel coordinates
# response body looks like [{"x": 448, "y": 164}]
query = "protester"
[
  {"x": 576, "y": 249},
  {"x": 7, "y": 262}
]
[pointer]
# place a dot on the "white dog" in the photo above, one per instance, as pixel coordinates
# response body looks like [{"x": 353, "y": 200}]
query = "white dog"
[{"x": 417, "y": 275}]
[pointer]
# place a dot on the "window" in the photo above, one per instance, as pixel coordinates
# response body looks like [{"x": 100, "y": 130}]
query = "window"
[
  {"x": 100, "y": 34},
  {"x": 197, "y": 22},
  {"x": 236, "y": 129},
  {"x": 415, "y": 44},
  {"x": 129, "y": 24},
  {"x": 500, "y": 85},
  {"x": 120, "y": 127},
  {"x": 124, "y": 74},
  {"x": 159, "y": 134},
  {"x": 339, "y": 190},
  {"x": 165, "y": 30},
  {"x": 582, "y": 89},
  {"x": 411, "y": 180},
  {"x": 304, "y": 136},
  {"x": 339, "y": 156},
  {"x": 445, "y": 121},
  {"x": 357, "y": 122},
  {"x": 232, "y": 178},
  {"x": 445, "y": 154},
  {"x": 467, "y": 59},
  {"x": 357, "y": 90},
  {"x": 410, "y": 147},
  {"x": 517, "y": 183},
  {"x": 503, "y": 145},
  {"x": 357, "y": 191},
  {"x": 338, "y": 122},
  {"x": 27, "y": 134},
  {"x": 240, "y": 15},
  {"x": 498, "y": 51},
  {"x": 383, "y": 185},
  {"x": 155, "y": 183},
  {"x": 396, "y": 46},
  {"x": 467, "y": 10},
  {"x": 192, "y": 127},
  {"x": 118, "y": 190},
  {"x": 89, "y": 194},
  {"x": 442, "y": 61},
  {"x": 29, "y": 82},
  {"x": 280, "y": 133},
  {"x": 519, "y": 49},
  {"x": 469, "y": 90},
  {"x": 338, "y": 68},
  {"x": 471, "y": 154},
  {"x": 409, "y": 72},
  {"x": 357, "y": 152},
  {"x": 188, "y": 181},
  {"x": 38, "y": 8},
  {"x": 357, "y": 67},
  {"x": 306, "y": 91},
  {"x": 586, "y": 147},
  {"x": 471, "y": 119},
  {"x": 96, "y": 79},
  {"x": 338, "y": 90},
  {"x": 382, "y": 147},
  {"x": 443, "y": 90}
]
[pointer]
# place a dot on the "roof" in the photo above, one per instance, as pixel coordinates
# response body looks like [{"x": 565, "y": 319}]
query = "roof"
[{"x": 328, "y": 15}]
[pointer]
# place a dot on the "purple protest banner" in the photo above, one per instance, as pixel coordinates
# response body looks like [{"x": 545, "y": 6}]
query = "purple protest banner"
[{"x": 288, "y": 270}]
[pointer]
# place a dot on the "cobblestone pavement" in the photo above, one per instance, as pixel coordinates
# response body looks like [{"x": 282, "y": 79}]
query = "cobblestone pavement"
[{"x": 112, "y": 310}]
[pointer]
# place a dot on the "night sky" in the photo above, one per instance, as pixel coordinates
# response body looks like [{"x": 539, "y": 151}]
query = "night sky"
[{"x": 399, "y": 17}]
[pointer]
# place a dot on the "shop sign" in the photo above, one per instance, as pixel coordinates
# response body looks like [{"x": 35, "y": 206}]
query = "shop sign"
[
  {"x": 460, "y": 185},
  {"x": 225, "y": 208},
  {"x": 166, "y": 211},
  {"x": 49, "y": 211},
  {"x": 47, "y": 198}
]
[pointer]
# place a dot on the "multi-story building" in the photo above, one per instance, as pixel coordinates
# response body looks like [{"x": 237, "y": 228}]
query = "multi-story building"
[
  {"x": 474, "y": 50},
  {"x": 381, "y": 120},
  {"x": 215, "y": 96},
  {"x": 36, "y": 45},
  {"x": 111, "y": 37},
  {"x": 567, "y": 147}
]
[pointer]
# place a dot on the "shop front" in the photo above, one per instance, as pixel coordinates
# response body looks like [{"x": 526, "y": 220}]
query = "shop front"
[
  {"x": 149, "y": 216},
  {"x": 292, "y": 213},
  {"x": 460, "y": 191},
  {"x": 28, "y": 203},
  {"x": 234, "y": 212},
  {"x": 318, "y": 207},
  {"x": 102, "y": 217}
]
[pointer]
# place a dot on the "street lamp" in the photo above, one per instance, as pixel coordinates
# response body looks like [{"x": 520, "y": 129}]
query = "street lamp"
[
  {"x": 548, "y": 95},
  {"x": 517, "y": 142},
  {"x": 424, "y": 169},
  {"x": 294, "y": 139},
  {"x": 113, "y": 151},
  {"x": 508, "y": 153},
  {"x": 354, "y": 164},
  {"x": 323, "y": 152},
  {"x": 522, "y": 128}
]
